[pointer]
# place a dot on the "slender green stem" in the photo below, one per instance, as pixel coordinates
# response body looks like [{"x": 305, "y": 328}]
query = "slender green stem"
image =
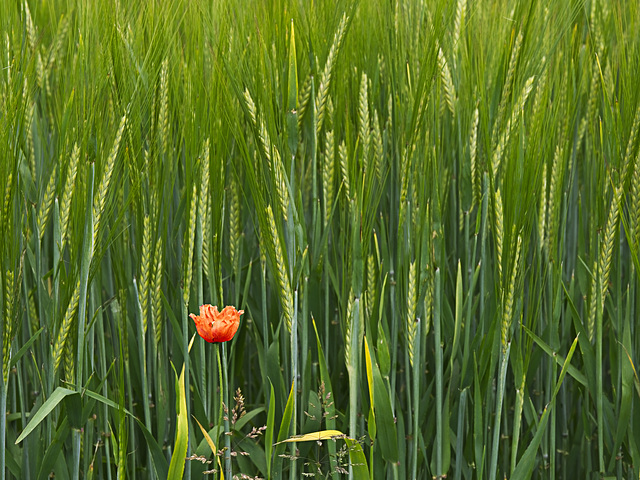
[
  {"x": 483, "y": 250},
  {"x": 225, "y": 399},
  {"x": 197, "y": 277},
  {"x": 439, "y": 387},
  {"x": 504, "y": 362},
  {"x": 462, "y": 406},
  {"x": 353, "y": 377},
  {"x": 394, "y": 332},
  {"x": 294, "y": 375},
  {"x": 187, "y": 373},
  {"x": 3, "y": 428},
  {"x": 517, "y": 420},
  {"x": 416, "y": 370},
  {"x": 142, "y": 356},
  {"x": 599, "y": 392},
  {"x": 265, "y": 322},
  {"x": 105, "y": 392},
  {"x": 87, "y": 254}
]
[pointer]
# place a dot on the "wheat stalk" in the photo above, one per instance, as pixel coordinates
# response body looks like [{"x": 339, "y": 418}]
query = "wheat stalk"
[
  {"x": 347, "y": 331},
  {"x": 145, "y": 266},
  {"x": 61, "y": 35},
  {"x": 378, "y": 147},
  {"x": 325, "y": 79},
  {"x": 405, "y": 173},
  {"x": 286, "y": 297},
  {"x": 473, "y": 154},
  {"x": 364, "y": 123},
  {"x": 251, "y": 107},
  {"x": 592, "y": 105},
  {"x": 69, "y": 361},
  {"x": 507, "y": 316},
  {"x": 47, "y": 203},
  {"x": 371, "y": 284},
  {"x": 31, "y": 28},
  {"x": 29, "y": 110},
  {"x": 8, "y": 61},
  {"x": 631, "y": 143},
  {"x": 608, "y": 242},
  {"x": 103, "y": 188},
  {"x": 304, "y": 98},
  {"x": 499, "y": 230},
  {"x": 235, "y": 223},
  {"x": 555, "y": 200},
  {"x": 7, "y": 322},
  {"x": 634, "y": 209},
  {"x": 506, "y": 92},
  {"x": 412, "y": 321},
  {"x": 447, "y": 82},
  {"x": 163, "y": 116},
  {"x": 39, "y": 71},
  {"x": 513, "y": 121},
  {"x": 205, "y": 207},
  {"x": 461, "y": 8},
  {"x": 157, "y": 293},
  {"x": 67, "y": 193},
  {"x": 344, "y": 168},
  {"x": 65, "y": 328},
  {"x": 328, "y": 173},
  {"x": 189, "y": 241},
  {"x": 279, "y": 178},
  {"x": 7, "y": 194},
  {"x": 542, "y": 210}
]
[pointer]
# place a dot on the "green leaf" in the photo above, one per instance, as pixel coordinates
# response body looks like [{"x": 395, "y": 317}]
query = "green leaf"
[
  {"x": 268, "y": 434},
  {"x": 560, "y": 360},
  {"x": 458, "y": 317},
  {"x": 524, "y": 469},
  {"x": 292, "y": 95},
  {"x": 212, "y": 446},
  {"x": 385, "y": 422},
  {"x": 314, "y": 436},
  {"x": 283, "y": 433},
  {"x": 357, "y": 459},
  {"x": 285, "y": 425},
  {"x": 626, "y": 393},
  {"x": 159, "y": 460},
  {"x": 24, "y": 348},
  {"x": 369, "y": 371},
  {"x": 73, "y": 406},
  {"x": 330, "y": 420},
  {"x": 588, "y": 355},
  {"x": 52, "y": 453},
  {"x": 178, "y": 458},
  {"x": 52, "y": 402}
]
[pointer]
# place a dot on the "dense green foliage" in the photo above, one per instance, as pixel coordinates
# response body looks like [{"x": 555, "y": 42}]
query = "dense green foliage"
[{"x": 429, "y": 212}]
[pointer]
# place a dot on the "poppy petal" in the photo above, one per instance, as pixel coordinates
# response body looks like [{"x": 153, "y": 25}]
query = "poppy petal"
[{"x": 214, "y": 326}]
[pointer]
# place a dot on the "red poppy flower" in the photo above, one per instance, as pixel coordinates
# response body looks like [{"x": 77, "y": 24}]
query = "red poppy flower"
[{"x": 215, "y": 326}]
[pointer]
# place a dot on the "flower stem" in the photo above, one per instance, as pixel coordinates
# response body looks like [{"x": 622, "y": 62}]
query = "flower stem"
[{"x": 224, "y": 394}]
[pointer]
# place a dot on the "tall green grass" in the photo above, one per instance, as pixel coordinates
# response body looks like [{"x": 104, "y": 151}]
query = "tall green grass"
[{"x": 429, "y": 211}]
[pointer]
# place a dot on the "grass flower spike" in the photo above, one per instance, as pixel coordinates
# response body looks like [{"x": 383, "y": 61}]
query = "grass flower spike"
[{"x": 215, "y": 326}]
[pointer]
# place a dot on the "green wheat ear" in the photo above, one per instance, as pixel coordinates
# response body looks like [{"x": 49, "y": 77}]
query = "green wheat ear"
[
  {"x": 189, "y": 242},
  {"x": 47, "y": 203},
  {"x": 67, "y": 192},
  {"x": 103, "y": 188},
  {"x": 286, "y": 297},
  {"x": 65, "y": 328},
  {"x": 325, "y": 79},
  {"x": 157, "y": 294},
  {"x": 145, "y": 266},
  {"x": 412, "y": 321}
]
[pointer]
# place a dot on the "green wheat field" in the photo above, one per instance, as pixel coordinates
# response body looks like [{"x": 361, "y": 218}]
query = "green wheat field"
[{"x": 429, "y": 212}]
